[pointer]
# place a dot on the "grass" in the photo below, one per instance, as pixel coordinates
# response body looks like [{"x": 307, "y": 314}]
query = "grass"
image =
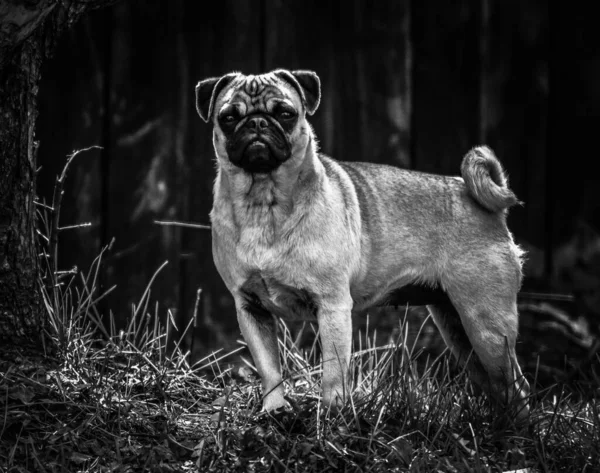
[
  {"x": 129, "y": 400},
  {"x": 119, "y": 400}
]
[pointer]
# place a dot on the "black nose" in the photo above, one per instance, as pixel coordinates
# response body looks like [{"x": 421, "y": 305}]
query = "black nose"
[{"x": 256, "y": 123}]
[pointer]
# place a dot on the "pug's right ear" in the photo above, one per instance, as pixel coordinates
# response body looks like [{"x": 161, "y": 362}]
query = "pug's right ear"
[{"x": 207, "y": 92}]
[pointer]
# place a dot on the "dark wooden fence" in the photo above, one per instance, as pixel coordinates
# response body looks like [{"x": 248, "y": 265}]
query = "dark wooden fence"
[{"x": 414, "y": 83}]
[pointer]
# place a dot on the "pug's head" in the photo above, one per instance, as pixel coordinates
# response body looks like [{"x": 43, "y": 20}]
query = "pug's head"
[{"x": 259, "y": 120}]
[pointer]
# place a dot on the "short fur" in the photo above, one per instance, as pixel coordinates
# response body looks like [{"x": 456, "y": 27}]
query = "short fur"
[{"x": 315, "y": 237}]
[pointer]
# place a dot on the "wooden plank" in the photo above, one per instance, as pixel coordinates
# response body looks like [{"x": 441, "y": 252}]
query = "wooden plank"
[
  {"x": 515, "y": 101},
  {"x": 574, "y": 119},
  {"x": 70, "y": 116},
  {"x": 445, "y": 83},
  {"x": 141, "y": 144},
  {"x": 361, "y": 53}
]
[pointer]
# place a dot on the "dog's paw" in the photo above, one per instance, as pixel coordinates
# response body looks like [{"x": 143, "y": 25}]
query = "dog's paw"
[
  {"x": 333, "y": 401},
  {"x": 281, "y": 413},
  {"x": 281, "y": 410},
  {"x": 276, "y": 406}
]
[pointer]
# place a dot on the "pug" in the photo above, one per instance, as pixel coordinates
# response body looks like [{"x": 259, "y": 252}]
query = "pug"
[{"x": 297, "y": 234}]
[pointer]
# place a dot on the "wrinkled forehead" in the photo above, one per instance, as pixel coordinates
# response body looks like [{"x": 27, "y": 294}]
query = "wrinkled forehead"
[{"x": 261, "y": 92}]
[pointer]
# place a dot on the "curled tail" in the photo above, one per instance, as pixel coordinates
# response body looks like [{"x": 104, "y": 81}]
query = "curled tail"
[{"x": 485, "y": 180}]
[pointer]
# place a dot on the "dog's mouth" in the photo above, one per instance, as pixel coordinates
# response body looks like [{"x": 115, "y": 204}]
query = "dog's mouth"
[
  {"x": 260, "y": 156},
  {"x": 258, "y": 151}
]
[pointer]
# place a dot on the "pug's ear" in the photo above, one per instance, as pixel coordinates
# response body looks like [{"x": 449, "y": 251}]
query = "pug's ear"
[
  {"x": 307, "y": 84},
  {"x": 207, "y": 92}
]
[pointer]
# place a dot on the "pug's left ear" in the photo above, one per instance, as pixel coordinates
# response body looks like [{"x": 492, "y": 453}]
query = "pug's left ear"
[
  {"x": 307, "y": 84},
  {"x": 207, "y": 92}
]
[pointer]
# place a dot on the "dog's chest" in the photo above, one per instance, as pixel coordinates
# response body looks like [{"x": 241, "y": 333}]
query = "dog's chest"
[
  {"x": 283, "y": 277},
  {"x": 281, "y": 259},
  {"x": 260, "y": 217},
  {"x": 264, "y": 295}
]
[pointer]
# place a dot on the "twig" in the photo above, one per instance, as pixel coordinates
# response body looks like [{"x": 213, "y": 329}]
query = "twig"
[
  {"x": 195, "y": 317},
  {"x": 72, "y": 227},
  {"x": 56, "y": 202},
  {"x": 197, "y": 226},
  {"x": 523, "y": 295}
]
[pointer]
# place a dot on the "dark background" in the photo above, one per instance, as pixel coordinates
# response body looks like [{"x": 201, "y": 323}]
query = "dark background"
[{"x": 414, "y": 83}]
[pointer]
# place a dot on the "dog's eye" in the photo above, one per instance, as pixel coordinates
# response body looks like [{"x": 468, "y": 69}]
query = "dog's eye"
[
  {"x": 229, "y": 116},
  {"x": 286, "y": 115}
]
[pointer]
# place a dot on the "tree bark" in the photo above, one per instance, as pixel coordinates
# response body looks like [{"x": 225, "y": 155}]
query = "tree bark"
[{"x": 29, "y": 30}]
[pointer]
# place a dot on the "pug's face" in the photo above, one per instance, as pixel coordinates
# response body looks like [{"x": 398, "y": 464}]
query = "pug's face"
[{"x": 259, "y": 121}]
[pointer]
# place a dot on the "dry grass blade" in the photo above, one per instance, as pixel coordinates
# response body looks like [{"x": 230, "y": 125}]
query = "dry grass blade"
[{"x": 56, "y": 205}]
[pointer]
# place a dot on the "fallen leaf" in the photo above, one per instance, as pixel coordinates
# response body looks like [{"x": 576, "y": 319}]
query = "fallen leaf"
[
  {"x": 243, "y": 373},
  {"x": 22, "y": 393},
  {"x": 305, "y": 448},
  {"x": 402, "y": 450},
  {"x": 220, "y": 401},
  {"x": 79, "y": 457}
]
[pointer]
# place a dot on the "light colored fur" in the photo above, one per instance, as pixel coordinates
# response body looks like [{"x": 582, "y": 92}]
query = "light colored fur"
[
  {"x": 485, "y": 180},
  {"x": 353, "y": 232}
]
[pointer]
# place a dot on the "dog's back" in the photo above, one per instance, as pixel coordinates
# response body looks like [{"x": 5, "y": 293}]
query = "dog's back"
[{"x": 436, "y": 221}]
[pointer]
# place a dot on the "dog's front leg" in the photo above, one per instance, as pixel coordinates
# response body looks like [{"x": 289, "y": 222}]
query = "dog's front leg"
[
  {"x": 260, "y": 332},
  {"x": 335, "y": 329}
]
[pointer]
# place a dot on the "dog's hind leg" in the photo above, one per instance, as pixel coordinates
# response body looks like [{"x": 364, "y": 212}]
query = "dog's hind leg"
[
  {"x": 492, "y": 331},
  {"x": 448, "y": 322}
]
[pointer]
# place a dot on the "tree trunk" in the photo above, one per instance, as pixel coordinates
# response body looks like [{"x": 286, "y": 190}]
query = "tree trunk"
[
  {"x": 28, "y": 32},
  {"x": 19, "y": 295}
]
